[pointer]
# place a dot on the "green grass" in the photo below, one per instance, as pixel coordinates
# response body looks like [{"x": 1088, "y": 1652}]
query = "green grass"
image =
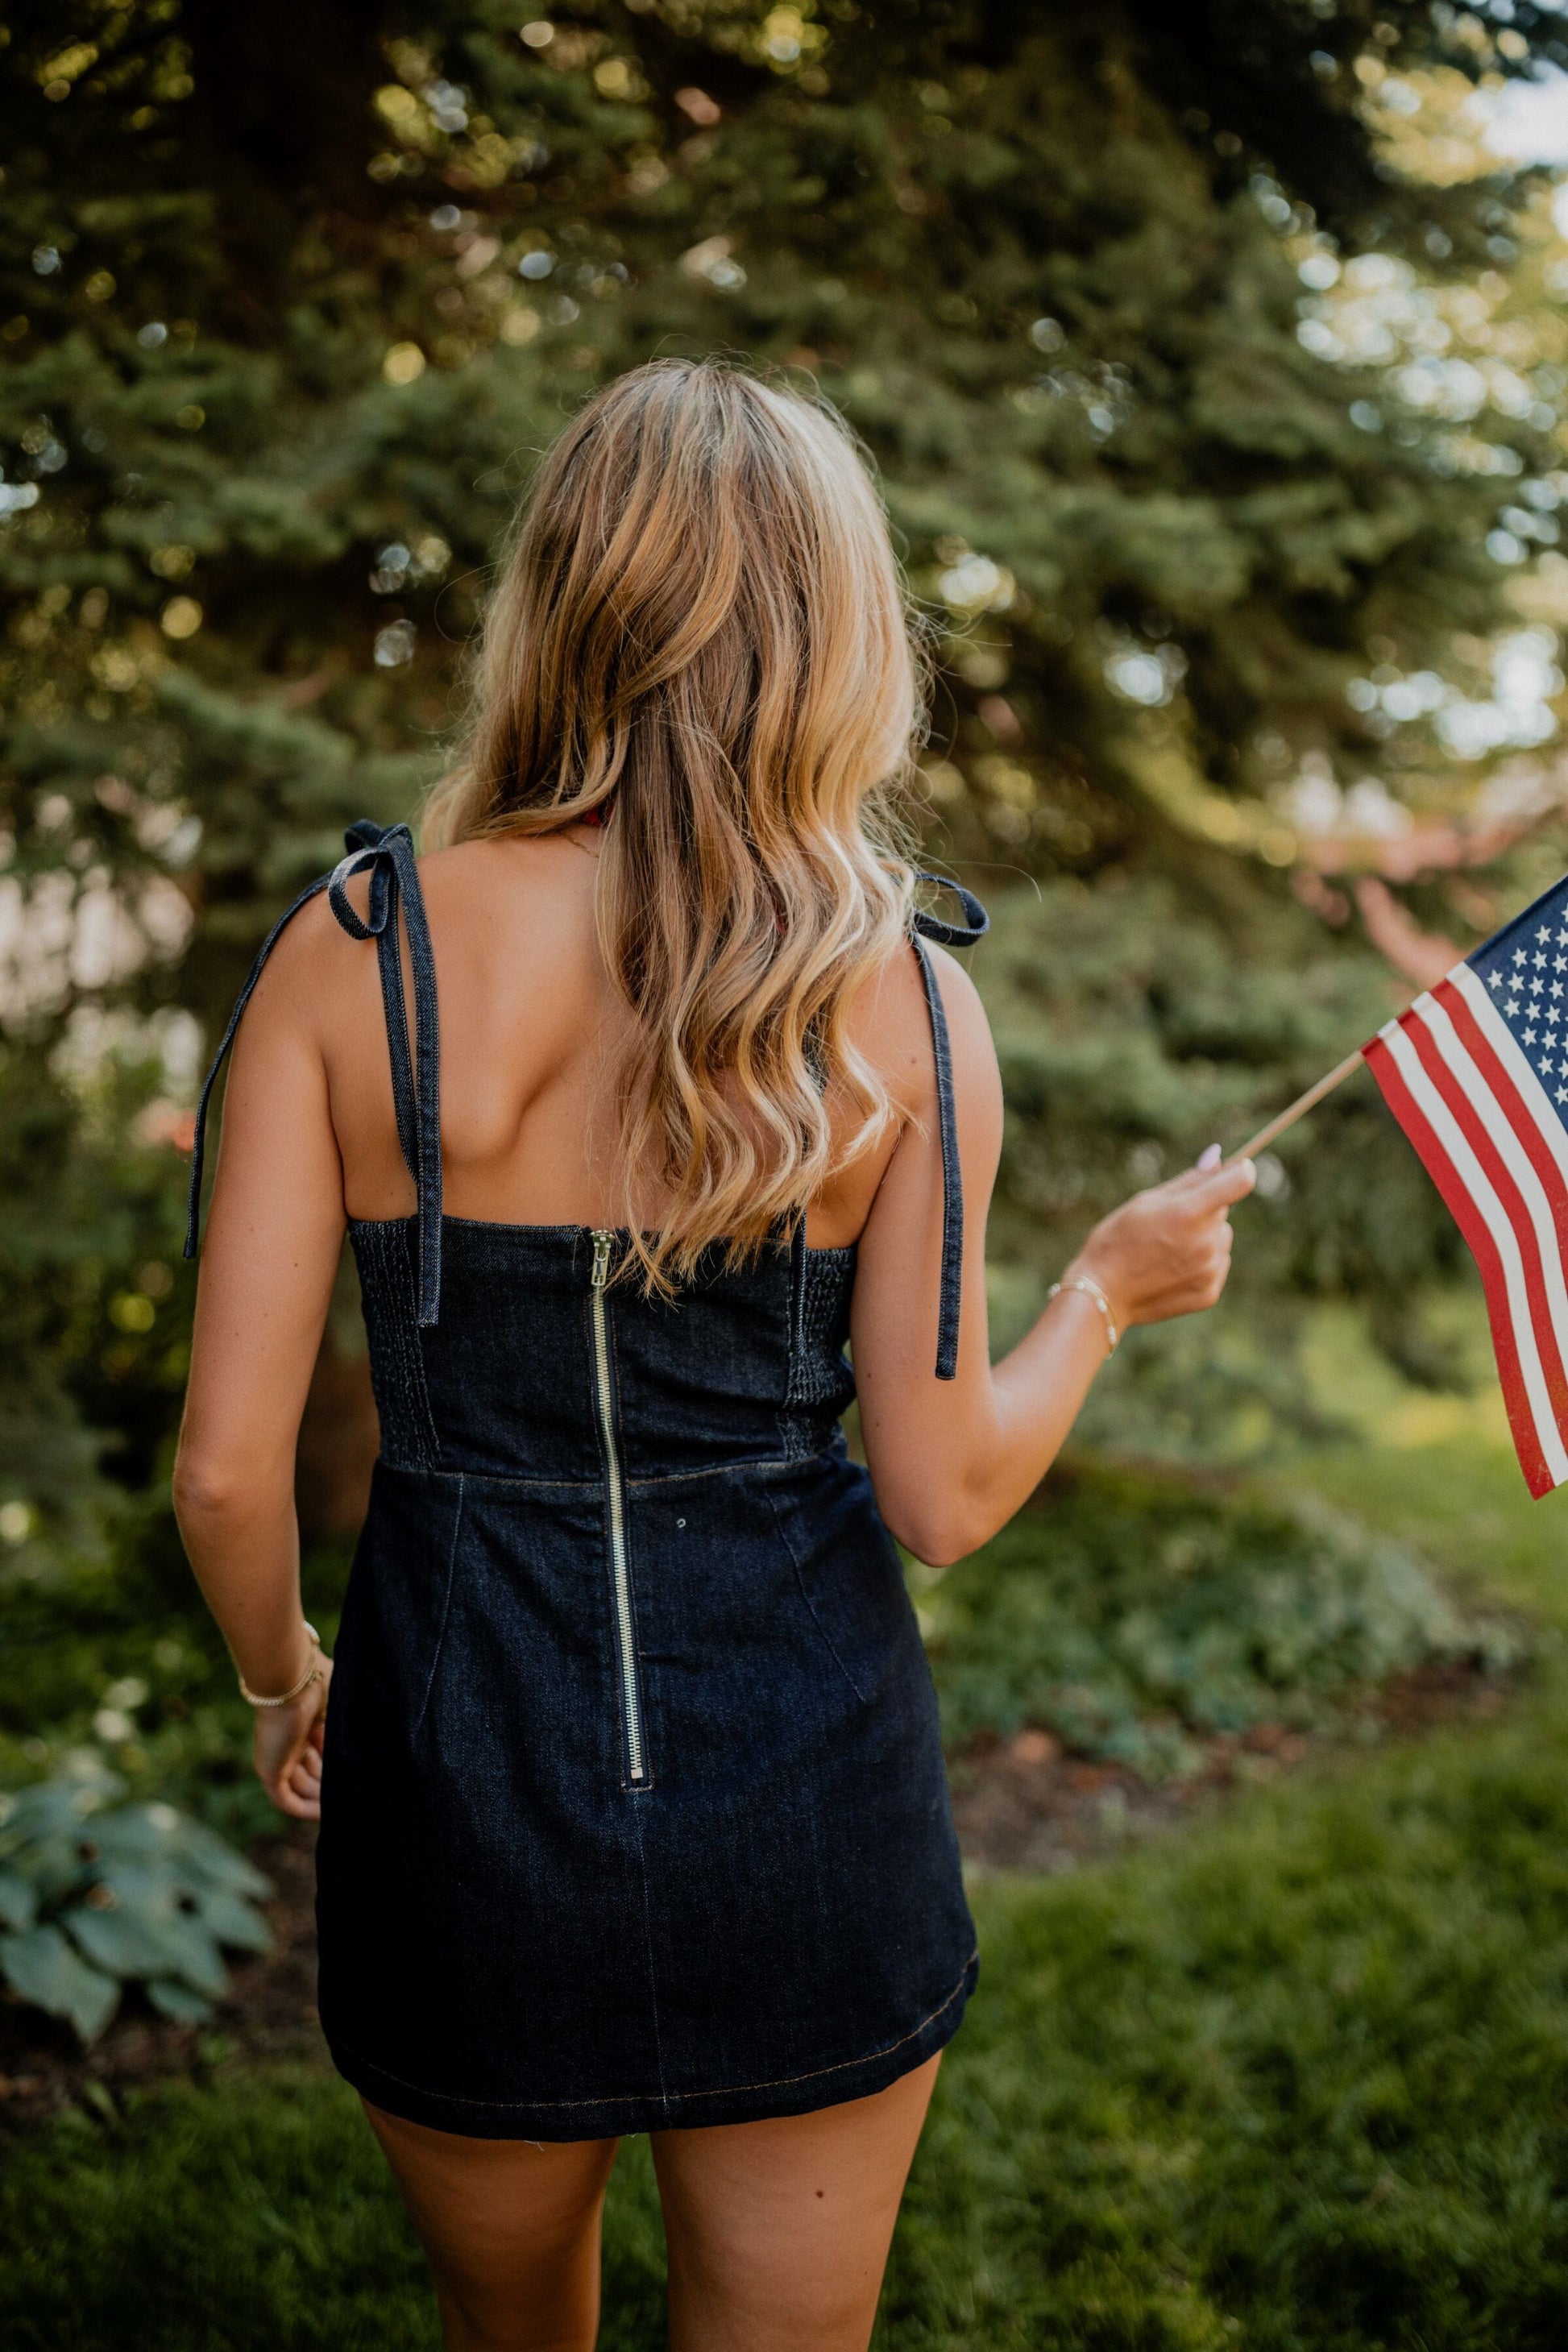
[
  {"x": 254, "y": 2212},
  {"x": 1301, "y": 2082},
  {"x": 1298, "y": 2082},
  {"x": 1439, "y": 1472}
]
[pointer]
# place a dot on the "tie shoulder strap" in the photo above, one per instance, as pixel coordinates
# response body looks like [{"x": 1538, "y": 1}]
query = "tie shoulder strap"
[
  {"x": 976, "y": 923},
  {"x": 387, "y": 854}
]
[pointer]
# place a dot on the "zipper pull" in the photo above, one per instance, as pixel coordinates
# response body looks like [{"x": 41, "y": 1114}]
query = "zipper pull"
[{"x": 601, "y": 1273}]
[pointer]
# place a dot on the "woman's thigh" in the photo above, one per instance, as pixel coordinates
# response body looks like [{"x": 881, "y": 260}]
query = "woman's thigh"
[
  {"x": 512, "y": 2231},
  {"x": 779, "y": 2231}
]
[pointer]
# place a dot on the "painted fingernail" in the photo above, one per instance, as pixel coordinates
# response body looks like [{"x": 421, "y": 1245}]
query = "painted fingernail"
[{"x": 1209, "y": 1157}]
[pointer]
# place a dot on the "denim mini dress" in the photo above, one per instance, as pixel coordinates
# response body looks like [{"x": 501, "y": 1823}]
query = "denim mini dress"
[{"x": 634, "y": 1811}]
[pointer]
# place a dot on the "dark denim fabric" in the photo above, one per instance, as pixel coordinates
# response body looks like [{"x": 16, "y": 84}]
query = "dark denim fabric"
[
  {"x": 634, "y": 1810},
  {"x": 516, "y": 1940}
]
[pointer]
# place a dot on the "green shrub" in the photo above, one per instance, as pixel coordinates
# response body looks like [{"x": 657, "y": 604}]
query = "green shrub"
[
  {"x": 118, "y": 1667},
  {"x": 94, "y": 1896},
  {"x": 1127, "y": 1612}
]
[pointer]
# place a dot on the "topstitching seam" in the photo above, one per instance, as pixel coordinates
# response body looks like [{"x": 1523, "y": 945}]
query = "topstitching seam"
[
  {"x": 445, "y": 1611},
  {"x": 773, "y": 1464},
  {"x": 804, "y": 1590},
  {"x": 670, "y": 2098}
]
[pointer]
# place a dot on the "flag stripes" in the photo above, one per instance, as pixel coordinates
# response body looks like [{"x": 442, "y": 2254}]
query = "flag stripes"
[{"x": 1488, "y": 1137}]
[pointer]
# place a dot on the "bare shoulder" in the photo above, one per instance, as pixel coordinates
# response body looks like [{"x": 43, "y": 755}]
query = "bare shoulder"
[
  {"x": 312, "y": 965},
  {"x": 968, "y": 1023},
  {"x": 530, "y": 898},
  {"x": 889, "y": 1023}
]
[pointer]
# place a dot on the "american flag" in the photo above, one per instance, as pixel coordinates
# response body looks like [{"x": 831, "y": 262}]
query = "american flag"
[{"x": 1475, "y": 1071}]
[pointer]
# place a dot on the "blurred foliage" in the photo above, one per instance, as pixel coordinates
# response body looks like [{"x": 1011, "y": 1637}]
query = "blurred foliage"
[
  {"x": 94, "y": 1895},
  {"x": 1132, "y": 1614},
  {"x": 285, "y": 312},
  {"x": 119, "y": 1666}
]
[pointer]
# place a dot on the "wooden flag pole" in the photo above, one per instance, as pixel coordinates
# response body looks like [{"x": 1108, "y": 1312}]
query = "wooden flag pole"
[{"x": 1298, "y": 1109}]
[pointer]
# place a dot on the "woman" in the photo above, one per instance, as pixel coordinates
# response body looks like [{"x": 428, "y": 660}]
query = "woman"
[{"x": 633, "y": 1814}]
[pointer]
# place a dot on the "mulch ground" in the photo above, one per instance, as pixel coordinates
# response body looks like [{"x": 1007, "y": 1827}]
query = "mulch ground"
[
  {"x": 1027, "y": 1805},
  {"x": 1020, "y": 1805}
]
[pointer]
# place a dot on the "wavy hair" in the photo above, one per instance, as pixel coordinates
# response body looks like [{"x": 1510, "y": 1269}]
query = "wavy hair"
[{"x": 700, "y": 631}]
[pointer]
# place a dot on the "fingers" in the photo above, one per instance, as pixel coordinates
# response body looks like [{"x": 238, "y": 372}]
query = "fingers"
[
  {"x": 1216, "y": 1187},
  {"x": 288, "y": 1763},
  {"x": 298, "y": 1808},
  {"x": 296, "y": 1788},
  {"x": 1211, "y": 1170},
  {"x": 1201, "y": 1190}
]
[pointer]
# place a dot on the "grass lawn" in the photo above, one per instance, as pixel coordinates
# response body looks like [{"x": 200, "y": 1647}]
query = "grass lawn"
[
  {"x": 1295, "y": 2081},
  {"x": 1299, "y": 2080}
]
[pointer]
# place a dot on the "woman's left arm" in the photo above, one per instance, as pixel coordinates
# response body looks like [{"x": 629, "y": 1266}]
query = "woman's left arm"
[{"x": 275, "y": 1233}]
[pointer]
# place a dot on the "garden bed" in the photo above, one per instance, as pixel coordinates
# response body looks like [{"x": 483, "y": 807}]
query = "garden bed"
[
  {"x": 267, "y": 2013},
  {"x": 1028, "y": 1804},
  {"x": 1024, "y": 1804}
]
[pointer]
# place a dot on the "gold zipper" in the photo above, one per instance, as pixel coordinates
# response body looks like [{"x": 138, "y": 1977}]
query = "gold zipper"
[{"x": 626, "y": 1640}]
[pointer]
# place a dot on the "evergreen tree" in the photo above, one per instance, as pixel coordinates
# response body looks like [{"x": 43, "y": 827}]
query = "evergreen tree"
[{"x": 286, "y": 306}]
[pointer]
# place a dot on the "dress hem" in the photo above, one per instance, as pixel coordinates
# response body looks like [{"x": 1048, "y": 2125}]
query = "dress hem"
[{"x": 615, "y": 2117}]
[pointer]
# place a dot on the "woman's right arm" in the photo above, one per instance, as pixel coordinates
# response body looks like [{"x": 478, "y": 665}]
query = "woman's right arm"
[{"x": 952, "y": 1460}]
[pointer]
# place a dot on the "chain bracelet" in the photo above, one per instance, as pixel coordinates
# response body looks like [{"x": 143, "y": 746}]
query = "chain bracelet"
[
  {"x": 312, "y": 1674},
  {"x": 1091, "y": 1289}
]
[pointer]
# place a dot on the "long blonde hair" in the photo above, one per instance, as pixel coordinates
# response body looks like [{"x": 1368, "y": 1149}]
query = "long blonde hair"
[{"x": 700, "y": 615}]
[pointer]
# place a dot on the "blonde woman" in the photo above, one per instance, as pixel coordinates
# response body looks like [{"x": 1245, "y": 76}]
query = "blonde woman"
[{"x": 649, "y": 1100}]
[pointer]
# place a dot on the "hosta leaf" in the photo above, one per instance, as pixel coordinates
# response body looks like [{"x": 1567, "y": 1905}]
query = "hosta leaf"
[
  {"x": 233, "y": 1921},
  {"x": 140, "y": 1887},
  {"x": 159, "y": 1838},
  {"x": 51, "y": 1864},
  {"x": 127, "y": 1943},
  {"x": 151, "y": 1944},
  {"x": 42, "y": 1968},
  {"x": 177, "y": 2000},
  {"x": 194, "y": 1957},
  {"x": 18, "y": 1900},
  {"x": 49, "y": 1807},
  {"x": 215, "y": 1862},
  {"x": 137, "y": 1832}
]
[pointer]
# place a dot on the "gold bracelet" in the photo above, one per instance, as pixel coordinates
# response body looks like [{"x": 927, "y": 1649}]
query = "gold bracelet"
[
  {"x": 1091, "y": 1289},
  {"x": 312, "y": 1674}
]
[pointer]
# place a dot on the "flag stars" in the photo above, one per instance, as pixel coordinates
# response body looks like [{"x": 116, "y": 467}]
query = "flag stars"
[
  {"x": 1544, "y": 933},
  {"x": 1561, "y": 1095},
  {"x": 1559, "y": 964},
  {"x": 1511, "y": 1008},
  {"x": 1541, "y": 963},
  {"x": 1496, "y": 980},
  {"x": 1536, "y": 986},
  {"x": 1529, "y": 1036},
  {"x": 1519, "y": 955}
]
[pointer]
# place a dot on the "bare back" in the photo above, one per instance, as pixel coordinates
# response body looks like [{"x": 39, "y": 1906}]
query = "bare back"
[{"x": 531, "y": 1030}]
